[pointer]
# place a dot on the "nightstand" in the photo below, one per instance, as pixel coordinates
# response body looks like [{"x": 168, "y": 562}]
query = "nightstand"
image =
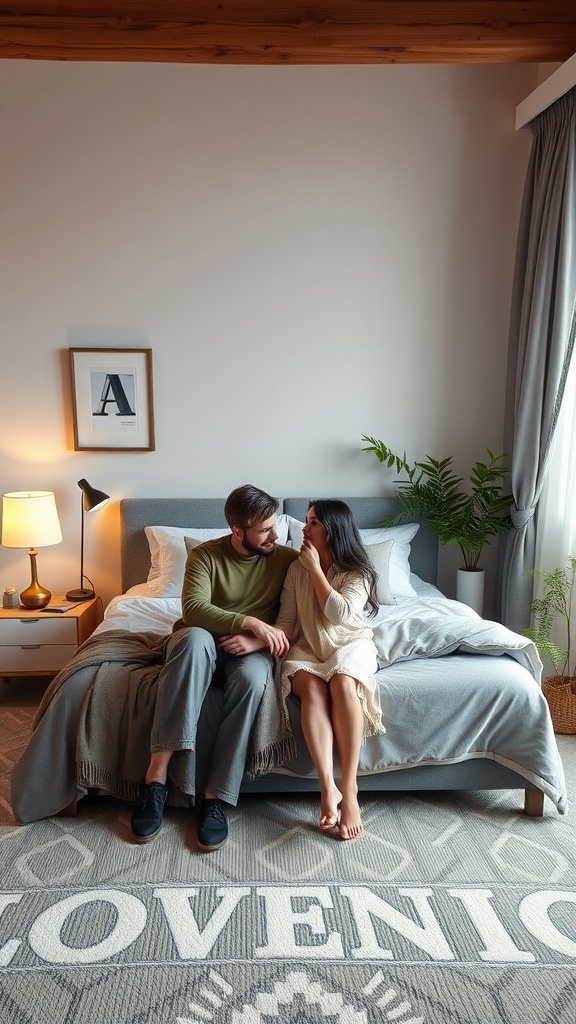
[{"x": 40, "y": 643}]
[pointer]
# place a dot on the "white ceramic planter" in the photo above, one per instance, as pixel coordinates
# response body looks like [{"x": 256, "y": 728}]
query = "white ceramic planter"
[{"x": 470, "y": 588}]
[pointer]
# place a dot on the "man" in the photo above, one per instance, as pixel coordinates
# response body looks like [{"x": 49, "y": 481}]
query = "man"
[{"x": 230, "y": 599}]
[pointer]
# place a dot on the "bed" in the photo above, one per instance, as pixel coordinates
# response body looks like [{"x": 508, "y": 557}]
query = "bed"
[{"x": 461, "y": 697}]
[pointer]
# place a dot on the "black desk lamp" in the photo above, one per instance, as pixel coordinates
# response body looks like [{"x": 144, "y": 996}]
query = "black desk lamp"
[{"x": 91, "y": 501}]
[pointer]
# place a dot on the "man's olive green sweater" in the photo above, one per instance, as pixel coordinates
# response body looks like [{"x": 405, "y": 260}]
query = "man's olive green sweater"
[{"x": 222, "y": 587}]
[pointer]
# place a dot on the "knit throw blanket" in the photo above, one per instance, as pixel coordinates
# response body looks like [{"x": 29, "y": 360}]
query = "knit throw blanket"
[{"x": 113, "y": 741}]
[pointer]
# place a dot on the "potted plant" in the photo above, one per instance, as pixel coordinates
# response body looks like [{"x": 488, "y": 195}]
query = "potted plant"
[
  {"x": 430, "y": 490},
  {"x": 550, "y": 612}
]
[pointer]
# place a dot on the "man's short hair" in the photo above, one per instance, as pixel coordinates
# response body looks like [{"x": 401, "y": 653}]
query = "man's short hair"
[{"x": 247, "y": 505}]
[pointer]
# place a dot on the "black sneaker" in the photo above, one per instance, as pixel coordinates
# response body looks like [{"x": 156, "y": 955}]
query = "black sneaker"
[
  {"x": 147, "y": 817},
  {"x": 213, "y": 825}
]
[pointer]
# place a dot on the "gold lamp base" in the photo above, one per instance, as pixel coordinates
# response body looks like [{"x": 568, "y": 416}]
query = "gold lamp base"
[{"x": 34, "y": 596}]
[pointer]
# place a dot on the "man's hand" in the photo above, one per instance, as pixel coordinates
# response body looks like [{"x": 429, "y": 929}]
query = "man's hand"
[
  {"x": 240, "y": 644},
  {"x": 275, "y": 639}
]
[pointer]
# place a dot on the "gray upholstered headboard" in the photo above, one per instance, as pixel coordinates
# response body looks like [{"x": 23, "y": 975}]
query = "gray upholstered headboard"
[{"x": 136, "y": 513}]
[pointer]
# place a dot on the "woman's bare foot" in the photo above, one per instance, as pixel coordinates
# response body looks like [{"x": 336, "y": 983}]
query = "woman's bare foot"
[
  {"x": 329, "y": 808},
  {"x": 350, "y": 826}
]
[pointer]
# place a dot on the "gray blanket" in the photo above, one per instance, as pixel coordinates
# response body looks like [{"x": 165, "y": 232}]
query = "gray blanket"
[
  {"x": 115, "y": 721},
  {"x": 431, "y": 627}
]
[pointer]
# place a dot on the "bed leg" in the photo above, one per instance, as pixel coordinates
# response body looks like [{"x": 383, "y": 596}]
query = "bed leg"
[
  {"x": 70, "y": 811},
  {"x": 534, "y": 802}
]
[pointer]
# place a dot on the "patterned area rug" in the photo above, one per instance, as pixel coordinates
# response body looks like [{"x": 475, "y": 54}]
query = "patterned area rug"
[{"x": 450, "y": 909}]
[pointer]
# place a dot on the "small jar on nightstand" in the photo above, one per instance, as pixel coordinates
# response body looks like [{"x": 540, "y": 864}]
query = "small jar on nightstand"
[{"x": 10, "y": 598}]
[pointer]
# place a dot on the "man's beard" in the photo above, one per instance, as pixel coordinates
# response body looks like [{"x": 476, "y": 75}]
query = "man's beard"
[{"x": 253, "y": 550}]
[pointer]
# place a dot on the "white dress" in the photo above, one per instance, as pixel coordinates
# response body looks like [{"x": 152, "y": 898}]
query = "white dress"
[{"x": 336, "y": 640}]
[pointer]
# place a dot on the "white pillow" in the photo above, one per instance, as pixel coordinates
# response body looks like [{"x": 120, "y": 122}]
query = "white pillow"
[
  {"x": 295, "y": 535},
  {"x": 168, "y": 556},
  {"x": 379, "y": 555},
  {"x": 400, "y": 585},
  {"x": 168, "y": 553}
]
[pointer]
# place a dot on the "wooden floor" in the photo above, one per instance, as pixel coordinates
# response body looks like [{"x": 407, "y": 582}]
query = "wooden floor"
[{"x": 19, "y": 699}]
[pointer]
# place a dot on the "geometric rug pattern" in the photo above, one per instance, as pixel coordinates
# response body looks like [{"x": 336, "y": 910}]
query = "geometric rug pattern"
[{"x": 451, "y": 907}]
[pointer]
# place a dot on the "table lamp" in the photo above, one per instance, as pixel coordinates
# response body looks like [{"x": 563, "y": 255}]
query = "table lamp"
[
  {"x": 91, "y": 501},
  {"x": 30, "y": 520}
]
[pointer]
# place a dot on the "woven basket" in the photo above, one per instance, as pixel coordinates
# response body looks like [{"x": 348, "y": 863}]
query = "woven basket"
[{"x": 560, "y": 692}]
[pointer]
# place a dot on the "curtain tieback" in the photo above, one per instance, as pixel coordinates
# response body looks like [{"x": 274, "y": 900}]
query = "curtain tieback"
[{"x": 521, "y": 516}]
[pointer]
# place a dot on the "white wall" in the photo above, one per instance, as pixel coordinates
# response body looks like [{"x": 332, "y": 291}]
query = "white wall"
[{"x": 311, "y": 253}]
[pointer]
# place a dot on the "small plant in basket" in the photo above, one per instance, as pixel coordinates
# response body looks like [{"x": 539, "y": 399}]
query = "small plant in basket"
[{"x": 554, "y": 608}]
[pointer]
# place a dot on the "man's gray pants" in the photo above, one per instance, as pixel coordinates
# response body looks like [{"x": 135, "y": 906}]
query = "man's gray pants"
[{"x": 193, "y": 663}]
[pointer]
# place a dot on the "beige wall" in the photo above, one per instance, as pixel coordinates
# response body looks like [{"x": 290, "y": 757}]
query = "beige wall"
[{"x": 311, "y": 254}]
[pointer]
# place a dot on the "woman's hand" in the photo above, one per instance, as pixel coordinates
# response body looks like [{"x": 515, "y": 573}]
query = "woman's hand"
[
  {"x": 310, "y": 561},
  {"x": 309, "y": 557}
]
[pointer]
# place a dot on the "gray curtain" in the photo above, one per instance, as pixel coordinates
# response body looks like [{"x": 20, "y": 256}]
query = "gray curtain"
[{"x": 541, "y": 343}]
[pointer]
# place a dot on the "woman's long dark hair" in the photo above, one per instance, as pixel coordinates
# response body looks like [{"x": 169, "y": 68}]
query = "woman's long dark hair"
[{"x": 344, "y": 540}]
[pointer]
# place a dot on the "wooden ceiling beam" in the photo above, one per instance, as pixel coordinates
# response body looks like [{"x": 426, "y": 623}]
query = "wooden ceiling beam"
[{"x": 283, "y": 32}]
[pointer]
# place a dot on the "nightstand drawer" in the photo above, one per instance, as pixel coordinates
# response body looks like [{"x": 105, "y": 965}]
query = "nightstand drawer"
[
  {"x": 36, "y": 659},
  {"x": 38, "y": 643},
  {"x": 32, "y": 630}
]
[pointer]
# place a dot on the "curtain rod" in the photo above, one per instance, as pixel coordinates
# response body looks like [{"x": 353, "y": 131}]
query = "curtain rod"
[{"x": 559, "y": 83}]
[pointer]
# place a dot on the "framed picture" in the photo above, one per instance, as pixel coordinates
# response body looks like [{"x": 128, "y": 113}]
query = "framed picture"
[{"x": 112, "y": 396}]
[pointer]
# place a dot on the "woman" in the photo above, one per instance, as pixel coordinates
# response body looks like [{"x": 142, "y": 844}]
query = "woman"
[{"x": 332, "y": 657}]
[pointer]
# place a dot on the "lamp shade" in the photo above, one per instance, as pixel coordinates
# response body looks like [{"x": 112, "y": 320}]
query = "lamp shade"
[
  {"x": 30, "y": 520},
  {"x": 93, "y": 499}
]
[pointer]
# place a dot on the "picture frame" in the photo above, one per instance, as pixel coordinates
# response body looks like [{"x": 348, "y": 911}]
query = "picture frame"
[{"x": 112, "y": 399}]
